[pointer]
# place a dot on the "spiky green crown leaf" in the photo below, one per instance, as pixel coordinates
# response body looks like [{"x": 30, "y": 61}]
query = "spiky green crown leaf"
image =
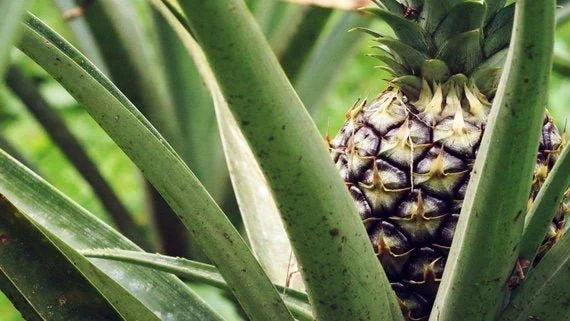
[{"x": 436, "y": 39}]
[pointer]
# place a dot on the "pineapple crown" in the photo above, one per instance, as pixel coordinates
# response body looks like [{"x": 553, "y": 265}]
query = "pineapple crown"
[{"x": 453, "y": 42}]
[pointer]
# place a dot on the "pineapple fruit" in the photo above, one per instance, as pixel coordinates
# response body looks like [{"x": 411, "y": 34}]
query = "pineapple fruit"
[{"x": 406, "y": 156}]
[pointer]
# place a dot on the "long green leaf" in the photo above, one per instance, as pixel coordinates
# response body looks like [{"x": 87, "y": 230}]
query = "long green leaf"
[
  {"x": 48, "y": 280},
  {"x": 11, "y": 13},
  {"x": 62, "y": 136},
  {"x": 130, "y": 55},
  {"x": 204, "y": 153},
  {"x": 195, "y": 110},
  {"x": 544, "y": 295},
  {"x": 317, "y": 76},
  {"x": 198, "y": 272},
  {"x": 545, "y": 206},
  {"x": 432, "y": 13},
  {"x": 260, "y": 215},
  {"x": 163, "y": 294},
  {"x": 161, "y": 166},
  {"x": 130, "y": 52},
  {"x": 475, "y": 279},
  {"x": 342, "y": 274}
]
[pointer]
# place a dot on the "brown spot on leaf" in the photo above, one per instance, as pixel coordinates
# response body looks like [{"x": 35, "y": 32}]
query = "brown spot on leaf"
[{"x": 334, "y": 232}]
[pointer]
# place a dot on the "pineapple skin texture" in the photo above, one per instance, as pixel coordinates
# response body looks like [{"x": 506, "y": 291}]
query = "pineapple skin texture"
[{"x": 407, "y": 162}]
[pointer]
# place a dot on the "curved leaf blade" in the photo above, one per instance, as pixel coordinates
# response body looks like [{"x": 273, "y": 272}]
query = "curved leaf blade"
[
  {"x": 493, "y": 6},
  {"x": 161, "y": 166},
  {"x": 432, "y": 13},
  {"x": 130, "y": 50},
  {"x": 498, "y": 31},
  {"x": 69, "y": 144},
  {"x": 260, "y": 214}
]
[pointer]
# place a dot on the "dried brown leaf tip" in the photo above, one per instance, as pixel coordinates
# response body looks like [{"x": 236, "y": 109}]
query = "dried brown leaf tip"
[{"x": 77, "y": 11}]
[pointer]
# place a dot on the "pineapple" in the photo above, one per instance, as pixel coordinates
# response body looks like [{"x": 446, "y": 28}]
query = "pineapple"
[{"x": 406, "y": 156}]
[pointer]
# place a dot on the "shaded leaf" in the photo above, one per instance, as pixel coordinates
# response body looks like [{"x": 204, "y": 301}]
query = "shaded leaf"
[{"x": 51, "y": 282}]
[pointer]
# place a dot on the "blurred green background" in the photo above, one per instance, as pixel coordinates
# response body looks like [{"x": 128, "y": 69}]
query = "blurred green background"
[{"x": 358, "y": 79}]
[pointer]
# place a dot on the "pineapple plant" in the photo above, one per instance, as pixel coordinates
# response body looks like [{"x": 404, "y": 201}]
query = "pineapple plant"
[
  {"x": 409, "y": 177},
  {"x": 406, "y": 156}
]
